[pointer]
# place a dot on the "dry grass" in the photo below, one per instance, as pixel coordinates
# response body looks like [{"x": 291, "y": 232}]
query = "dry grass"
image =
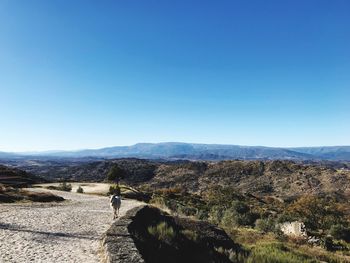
[{"x": 322, "y": 254}]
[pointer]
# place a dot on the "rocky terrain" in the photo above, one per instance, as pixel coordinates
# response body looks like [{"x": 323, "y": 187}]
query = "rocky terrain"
[{"x": 279, "y": 178}]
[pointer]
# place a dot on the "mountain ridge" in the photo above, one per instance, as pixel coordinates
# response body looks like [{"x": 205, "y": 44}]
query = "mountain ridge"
[{"x": 197, "y": 151}]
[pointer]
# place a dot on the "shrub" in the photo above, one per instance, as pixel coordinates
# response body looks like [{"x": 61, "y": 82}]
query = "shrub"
[
  {"x": 187, "y": 211},
  {"x": 162, "y": 232},
  {"x": 64, "y": 187},
  {"x": 265, "y": 225},
  {"x": 238, "y": 214},
  {"x": 316, "y": 212},
  {"x": 190, "y": 234},
  {"x": 170, "y": 191},
  {"x": 232, "y": 255},
  {"x": 277, "y": 253},
  {"x": 114, "y": 189},
  {"x": 216, "y": 214},
  {"x": 230, "y": 218},
  {"x": 327, "y": 243},
  {"x": 340, "y": 232},
  {"x": 80, "y": 190},
  {"x": 202, "y": 215},
  {"x": 240, "y": 207}
]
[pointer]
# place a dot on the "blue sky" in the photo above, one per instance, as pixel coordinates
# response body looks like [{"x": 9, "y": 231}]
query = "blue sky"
[{"x": 89, "y": 74}]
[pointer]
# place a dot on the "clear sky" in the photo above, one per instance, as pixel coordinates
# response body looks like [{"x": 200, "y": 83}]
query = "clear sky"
[{"x": 89, "y": 74}]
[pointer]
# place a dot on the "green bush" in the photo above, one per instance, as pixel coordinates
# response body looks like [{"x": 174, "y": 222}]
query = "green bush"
[
  {"x": 202, "y": 215},
  {"x": 230, "y": 218},
  {"x": 265, "y": 225},
  {"x": 80, "y": 190},
  {"x": 216, "y": 214},
  {"x": 232, "y": 255},
  {"x": 277, "y": 253},
  {"x": 340, "y": 232},
  {"x": 187, "y": 211},
  {"x": 240, "y": 207},
  {"x": 64, "y": 187},
  {"x": 238, "y": 214},
  {"x": 190, "y": 234},
  {"x": 316, "y": 212},
  {"x": 162, "y": 232}
]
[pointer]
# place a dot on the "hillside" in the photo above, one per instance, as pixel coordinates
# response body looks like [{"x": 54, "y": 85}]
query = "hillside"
[
  {"x": 281, "y": 178},
  {"x": 15, "y": 177},
  {"x": 137, "y": 170}
]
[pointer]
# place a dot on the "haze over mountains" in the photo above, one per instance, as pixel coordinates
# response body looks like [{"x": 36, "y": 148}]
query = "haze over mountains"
[{"x": 175, "y": 150}]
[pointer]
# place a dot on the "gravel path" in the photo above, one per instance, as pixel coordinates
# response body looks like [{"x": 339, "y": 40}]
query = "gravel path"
[{"x": 56, "y": 232}]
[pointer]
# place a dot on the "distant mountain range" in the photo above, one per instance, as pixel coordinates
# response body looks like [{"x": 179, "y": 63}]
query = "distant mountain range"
[{"x": 175, "y": 150}]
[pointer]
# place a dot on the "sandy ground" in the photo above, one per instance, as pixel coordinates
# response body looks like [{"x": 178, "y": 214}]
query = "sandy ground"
[
  {"x": 56, "y": 232},
  {"x": 89, "y": 188}
]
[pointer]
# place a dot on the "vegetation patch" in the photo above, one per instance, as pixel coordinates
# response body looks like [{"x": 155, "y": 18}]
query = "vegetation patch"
[
  {"x": 80, "y": 190},
  {"x": 162, "y": 232},
  {"x": 277, "y": 253},
  {"x": 61, "y": 187},
  {"x": 160, "y": 237},
  {"x": 252, "y": 220}
]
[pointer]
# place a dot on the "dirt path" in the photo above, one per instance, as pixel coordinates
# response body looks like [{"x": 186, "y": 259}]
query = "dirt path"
[{"x": 63, "y": 232}]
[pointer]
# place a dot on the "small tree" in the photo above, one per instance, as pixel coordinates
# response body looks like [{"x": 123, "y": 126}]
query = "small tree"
[
  {"x": 64, "y": 187},
  {"x": 115, "y": 174},
  {"x": 80, "y": 190},
  {"x": 114, "y": 190}
]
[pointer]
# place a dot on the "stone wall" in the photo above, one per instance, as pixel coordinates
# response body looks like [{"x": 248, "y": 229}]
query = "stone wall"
[{"x": 117, "y": 243}]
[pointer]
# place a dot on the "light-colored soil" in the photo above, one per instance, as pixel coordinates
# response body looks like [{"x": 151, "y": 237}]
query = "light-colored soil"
[
  {"x": 56, "y": 232},
  {"x": 89, "y": 188}
]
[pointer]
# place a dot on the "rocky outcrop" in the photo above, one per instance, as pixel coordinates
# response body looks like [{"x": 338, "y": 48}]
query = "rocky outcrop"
[
  {"x": 295, "y": 228},
  {"x": 118, "y": 244}
]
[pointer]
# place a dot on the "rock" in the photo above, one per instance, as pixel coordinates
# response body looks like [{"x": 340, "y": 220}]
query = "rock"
[
  {"x": 296, "y": 229},
  {"x": 314, "y": 241}
]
